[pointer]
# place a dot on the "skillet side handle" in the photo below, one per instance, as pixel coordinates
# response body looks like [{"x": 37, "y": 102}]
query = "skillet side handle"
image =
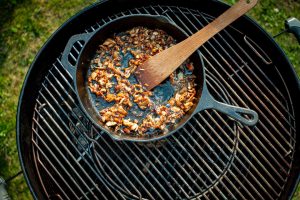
[{"x": 65, "y": 55}]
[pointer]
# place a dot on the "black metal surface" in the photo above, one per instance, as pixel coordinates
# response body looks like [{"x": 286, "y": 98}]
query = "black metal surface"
[{"x": 231, "y": 161}]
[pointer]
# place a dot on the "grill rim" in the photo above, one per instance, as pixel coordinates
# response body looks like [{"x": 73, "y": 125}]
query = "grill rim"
[{"x": 30, "y": 80}]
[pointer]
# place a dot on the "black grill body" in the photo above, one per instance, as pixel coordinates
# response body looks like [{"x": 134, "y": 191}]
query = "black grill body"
[{"x": 211, "y": 157}]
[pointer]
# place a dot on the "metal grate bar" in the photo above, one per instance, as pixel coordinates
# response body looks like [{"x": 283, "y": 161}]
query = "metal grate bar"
[
  {"x": 142, "y": 174},
  {"x": 196, "y": 131},
  {"x": 170, "y": 175},
  {"x": 293, "y": 126},
  {"x": 50, "y": 175},
  {"x": 277, "y": 151},
  {"x": 229, "y": 190},
  {"x": 124, "y": 164},
  {"x": 146, "y": 180},
  {"x": 73, "y": 57},
  {"x": 225, "y": 125},
  {"x": 259, "y": 122},
  {"x": 200, "y": 158},
  {"x": 56, "y": 91},
  {"x": 156, "y": 170},
  {"x": 71, "y": 143},
  {"x": 81, "y": 156},
  {"x": 70, "y": 101},
  {"x": 203, "y": 161},
  {"x": 55, "y": 158},
  {"x": 69, "y": 153},
  {"x": 62, "y": 99},
  {"x": 249, "y": 150},
  {"x": 209, "y": 192},
  {"x": 54, "y": 168},
  {"x": 220, "y": 129},
  {"x": 62, "y": 110},
  {"x": 215, "y": 133},
  {"x": 254, "y": 167},
  {"x": 62, "y": 76},
  {"x": 216, "y": 145},
  {"x": 271, "y": 146},
  {"x": 66, "y": 115},
  {"x": 241, "y": 152},
  {"x": 74, "y": 47},
  {"x": 265, "y": 149},
  {"x": 146, "y": 11},
  {"x": 117, "y": 176},
  {"x": 202, "y": 171},
  {"x": 170, "y": 154},
  {"x": 56, "y": 114},
  {"x": 78, "y": 119},
  {"x": 178, "y": 174},
  {"x": 68, "y": 96},
  {"x": 263, "y": 156},
  {"x": 221, "y": 150},
  {"x": 182, "y": 168},
  {"x": 211, "y": 148},
  {"x": 192, "y": 148},
  {"x": 240, "y": 184},
  {"x": 220, "y": 118},
  {"x": 255, "y": 178},
  {"x": 244, "y": 179},
  {"x": 36, "y": 154}
]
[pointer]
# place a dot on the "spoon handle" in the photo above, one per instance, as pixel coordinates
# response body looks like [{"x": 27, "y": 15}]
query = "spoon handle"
[{"x": 192, "y": 43}]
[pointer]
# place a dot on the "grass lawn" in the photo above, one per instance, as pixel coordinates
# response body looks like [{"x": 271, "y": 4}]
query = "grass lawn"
[{"x": 26, "y": 24}]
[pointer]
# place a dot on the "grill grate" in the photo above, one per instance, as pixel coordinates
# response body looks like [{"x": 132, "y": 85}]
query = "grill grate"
[{"x": 212, "y": 157}]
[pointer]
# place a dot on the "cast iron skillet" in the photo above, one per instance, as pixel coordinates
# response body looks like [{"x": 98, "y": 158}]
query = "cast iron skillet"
[{"x": 80, "y": 73}]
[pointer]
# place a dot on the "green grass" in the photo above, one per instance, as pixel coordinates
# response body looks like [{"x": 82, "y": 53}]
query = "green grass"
[
  {"x": 24, "y": 28},
  {"x": 26, "y": 25}
]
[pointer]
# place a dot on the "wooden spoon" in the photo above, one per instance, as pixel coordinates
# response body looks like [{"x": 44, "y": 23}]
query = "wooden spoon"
[{"x": 159, "y": 67}]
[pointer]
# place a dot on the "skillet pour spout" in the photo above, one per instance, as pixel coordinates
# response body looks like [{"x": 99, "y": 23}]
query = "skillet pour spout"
[{"x": 80, "y": 73}]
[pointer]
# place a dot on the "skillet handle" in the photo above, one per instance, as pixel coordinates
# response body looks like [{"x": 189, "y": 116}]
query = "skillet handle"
[
  {"x": 65, "y": 56},
  {"x": 208, "y": 102},
  {"x": 236, "y": 113}
]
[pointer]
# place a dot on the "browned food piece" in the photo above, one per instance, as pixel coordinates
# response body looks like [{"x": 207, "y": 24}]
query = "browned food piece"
[{"x": 109, "y": 80}]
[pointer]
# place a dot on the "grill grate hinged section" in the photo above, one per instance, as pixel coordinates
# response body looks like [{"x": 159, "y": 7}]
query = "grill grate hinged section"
[{"x": 211, "y": 157}]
